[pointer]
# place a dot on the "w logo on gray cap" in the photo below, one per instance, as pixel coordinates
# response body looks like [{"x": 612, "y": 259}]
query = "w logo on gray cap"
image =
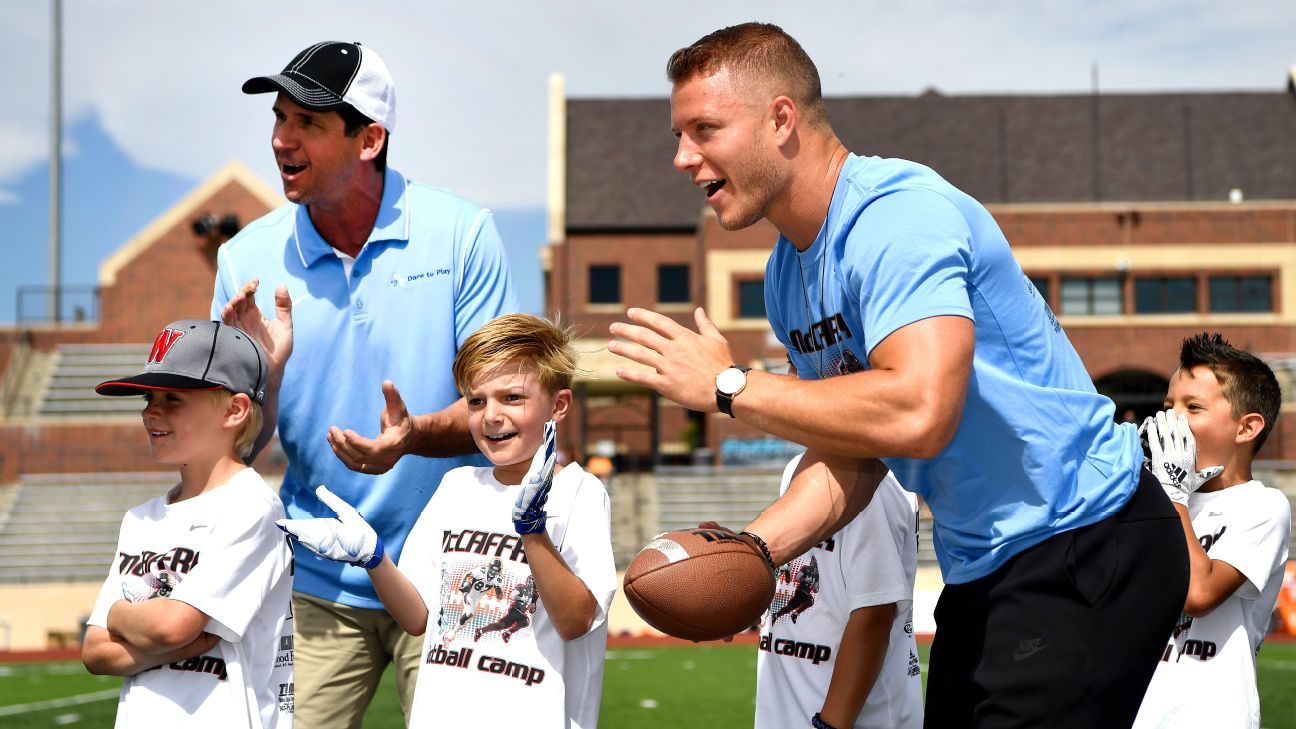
[
  {"x": 194, "y": 354},
  {"x": 165, "y": 339}
]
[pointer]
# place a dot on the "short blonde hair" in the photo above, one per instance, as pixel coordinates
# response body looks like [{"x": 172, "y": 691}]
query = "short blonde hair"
[
  {"x": 246, "y": 437},
  {"x": 533, "y": 340}
]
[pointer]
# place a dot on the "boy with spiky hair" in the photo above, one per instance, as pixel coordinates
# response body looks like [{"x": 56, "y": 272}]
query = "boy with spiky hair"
[
  {"x": 1221, "y": 406},
  {"x": 538, "y": 523},
  {"x": 195, "y": 610}
]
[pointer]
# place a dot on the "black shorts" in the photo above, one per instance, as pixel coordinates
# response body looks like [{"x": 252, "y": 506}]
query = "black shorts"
[{"x": 1067, "y": 633}]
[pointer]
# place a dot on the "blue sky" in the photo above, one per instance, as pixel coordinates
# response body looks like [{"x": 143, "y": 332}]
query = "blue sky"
[{"x": 152, "y": 103}]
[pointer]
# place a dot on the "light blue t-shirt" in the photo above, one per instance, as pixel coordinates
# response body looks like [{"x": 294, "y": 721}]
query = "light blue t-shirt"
[
  {"x": 432, "y": 272},
  {"x": 1037, "y": 451}
]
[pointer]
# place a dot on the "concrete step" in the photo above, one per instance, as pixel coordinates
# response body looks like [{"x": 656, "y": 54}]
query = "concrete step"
[
  {"x": 72, "y": 381},
  {"x": 44, "y": 480},
  {"x": 88, "y": 394},
  {"x": 54, "y": 573},
  {"x": 91, "y": 407},
  {"x": 23, "y": 533},
  {"x": 76, "y": 553}
]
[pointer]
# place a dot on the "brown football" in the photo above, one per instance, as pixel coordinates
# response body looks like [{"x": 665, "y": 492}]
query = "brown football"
[{"x": 699, "y": 584}]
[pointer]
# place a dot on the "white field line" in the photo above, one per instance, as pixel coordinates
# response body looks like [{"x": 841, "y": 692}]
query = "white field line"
[{"x": 59, "y": 703}]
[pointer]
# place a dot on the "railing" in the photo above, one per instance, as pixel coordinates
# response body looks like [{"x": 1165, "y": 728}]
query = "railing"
[{"x": 74, "y": 304}]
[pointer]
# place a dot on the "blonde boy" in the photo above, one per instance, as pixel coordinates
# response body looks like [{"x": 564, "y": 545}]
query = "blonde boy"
[
  {"x": 508, "y": 571},
  {"x": 1222, "y": 404},
  {"x": 195, "y": 609}
]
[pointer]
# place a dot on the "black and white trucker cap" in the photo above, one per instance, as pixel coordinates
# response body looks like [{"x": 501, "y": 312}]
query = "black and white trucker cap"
[
  {"x": 193, "y": 354},
  {"x": 330, "y": 75}
]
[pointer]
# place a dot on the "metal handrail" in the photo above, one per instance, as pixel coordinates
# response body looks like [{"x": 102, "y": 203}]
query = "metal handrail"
[{"x": 68, "y": 295}]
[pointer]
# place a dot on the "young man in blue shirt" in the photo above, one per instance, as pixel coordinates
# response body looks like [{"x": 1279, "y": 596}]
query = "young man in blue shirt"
[{"x": 918, "y": 340}]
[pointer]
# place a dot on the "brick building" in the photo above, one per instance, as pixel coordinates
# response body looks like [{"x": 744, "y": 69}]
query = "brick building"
[
  {"x": 1143, "y": 218},
  {"x": 163, "y": 273}
]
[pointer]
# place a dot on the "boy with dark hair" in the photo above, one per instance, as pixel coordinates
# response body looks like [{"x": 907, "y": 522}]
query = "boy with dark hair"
[
  {"x": 1222, "y": 405},
  {"x": 515, "y": 374},
  {"x": 195, "y": 610}
]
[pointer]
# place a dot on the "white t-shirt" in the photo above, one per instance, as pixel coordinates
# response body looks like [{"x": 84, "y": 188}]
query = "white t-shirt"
[
  {"x": 489, "y": 640},
  {"x": 871, "y": 561},
  {"x": 1207, "y": 676},
  {"x": 221, "y": 553}
]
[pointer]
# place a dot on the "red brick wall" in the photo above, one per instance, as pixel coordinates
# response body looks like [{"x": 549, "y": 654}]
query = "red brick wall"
[
  {"x": 1137, "y": 225},
  {"x": 637, "y": 254},
  {"x": 173, "y": 280},
  {"x": 1107, "y": 350},
  {"x": 80, "y": 448},
  {"x": 88, "y": 447}
]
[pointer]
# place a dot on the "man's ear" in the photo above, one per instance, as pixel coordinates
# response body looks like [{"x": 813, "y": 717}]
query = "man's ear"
[
  {"x": 784, "y": 115},
  {"x": 562, "y": 403},
  {"x": 372, "y": 141},
  {"x": 236, "y": 413},
  {"x": 1249, "y": 428}
]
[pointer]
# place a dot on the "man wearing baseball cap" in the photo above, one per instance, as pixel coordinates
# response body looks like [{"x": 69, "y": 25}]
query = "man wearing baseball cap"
[
  {"x": 377, "y": 282},
  {"x": 195, "y": 610}
]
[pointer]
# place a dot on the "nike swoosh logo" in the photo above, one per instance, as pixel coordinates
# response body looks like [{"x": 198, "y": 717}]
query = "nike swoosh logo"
[
  {"x": 1216, "y": 513},
  {"x": 1026, "y": 651},
  {"x": 197, "y": 526}
]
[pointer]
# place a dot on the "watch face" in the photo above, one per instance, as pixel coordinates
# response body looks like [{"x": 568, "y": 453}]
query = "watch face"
[{"x": 731, "y": 380}]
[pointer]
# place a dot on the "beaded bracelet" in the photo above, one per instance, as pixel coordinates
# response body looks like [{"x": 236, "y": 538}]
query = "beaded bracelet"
[
  {"x": 818, "y": 723},
  {"x": 764, "y": 548}
]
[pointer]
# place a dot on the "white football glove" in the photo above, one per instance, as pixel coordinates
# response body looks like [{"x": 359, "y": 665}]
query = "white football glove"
[
  {"x": 1173, "y": 455},
  {"x": 346, "y": 538},
  {"x": 529, "y": 509}
]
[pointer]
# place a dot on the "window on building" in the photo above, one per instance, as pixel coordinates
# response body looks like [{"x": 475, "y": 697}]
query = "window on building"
[
  {"x": 1165, "y": 295},
  {"x": 1041, "y": 284},
  {"x": 673, "y": 283},
  {"x": 1241, "y": 294},
  {"x": 1091, "y": 296},
  {"x": 605, "y": 284},
  {"x": 751, "y": 299}
]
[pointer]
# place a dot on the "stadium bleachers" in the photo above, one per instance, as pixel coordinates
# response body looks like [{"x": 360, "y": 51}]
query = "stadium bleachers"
[
  {"x": 74, "y": 372},
  {"x": 63, "y": 527}
]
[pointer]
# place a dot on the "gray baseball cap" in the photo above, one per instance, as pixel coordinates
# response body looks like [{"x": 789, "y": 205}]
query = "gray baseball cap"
[{"x": 193, "y": 354}]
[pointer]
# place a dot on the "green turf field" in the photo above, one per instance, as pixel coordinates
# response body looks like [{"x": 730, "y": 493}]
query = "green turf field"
[{"x": 677, "y": 686}]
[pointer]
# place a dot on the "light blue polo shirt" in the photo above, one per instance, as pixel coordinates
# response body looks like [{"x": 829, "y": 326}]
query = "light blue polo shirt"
[
  {"x": 432, "y": 272},
  {"x": 1037, "y": 451}
]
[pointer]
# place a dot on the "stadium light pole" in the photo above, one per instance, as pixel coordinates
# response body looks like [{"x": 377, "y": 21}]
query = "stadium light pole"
[{"x": 56, "y": 154}]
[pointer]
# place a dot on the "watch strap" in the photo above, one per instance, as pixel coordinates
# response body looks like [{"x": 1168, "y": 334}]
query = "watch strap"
[{"x": 724, "y": 400}]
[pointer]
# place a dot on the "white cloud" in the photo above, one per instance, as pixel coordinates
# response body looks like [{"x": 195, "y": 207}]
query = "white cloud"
[{"x": 164, "y": 77}]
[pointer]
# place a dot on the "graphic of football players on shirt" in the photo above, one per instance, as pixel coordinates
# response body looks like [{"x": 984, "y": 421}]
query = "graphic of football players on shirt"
[
  {"x": 473, "y": 585},
  {"x": 807, "y": 584},
  {"x": 157, "y": 583},
  {"x": 524, "y": 604}
]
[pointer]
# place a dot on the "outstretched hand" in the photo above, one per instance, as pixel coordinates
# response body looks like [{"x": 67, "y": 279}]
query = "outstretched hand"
[
  {"x": 274, "y": 335},
  {"x": 345, "y": 538},
  {"x": 685, "y": 362},
  {"x": 379, "y": 454}
]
